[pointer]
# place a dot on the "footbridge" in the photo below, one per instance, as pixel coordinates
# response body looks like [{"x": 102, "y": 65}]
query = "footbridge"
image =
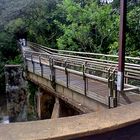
[
  {"x": 88, "y": 82},
  {"x": 87, "y": 79}
]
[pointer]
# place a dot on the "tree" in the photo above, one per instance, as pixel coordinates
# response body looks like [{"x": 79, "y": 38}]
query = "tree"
[{"x": 87, "y": 29}]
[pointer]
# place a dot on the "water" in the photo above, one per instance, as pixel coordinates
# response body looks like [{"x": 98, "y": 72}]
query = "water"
[{"x": 4, "y": 120}]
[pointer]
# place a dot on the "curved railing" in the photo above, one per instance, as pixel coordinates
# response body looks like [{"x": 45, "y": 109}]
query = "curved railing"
[
  {"x": 95, "y": 61},
  {"x": 104, "y": 57},
  {"x": 45, "y": 61}
]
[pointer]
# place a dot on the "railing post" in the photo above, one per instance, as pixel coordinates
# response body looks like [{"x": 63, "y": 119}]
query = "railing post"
[
  {"x": 52, "y": 77},
  {"x": 84, "y": 78},
  {"x": 33, "y": 63},
  {"x": 41, "y": 66},
  {"x": 126, "y": 78},
  {"x": 25, "y": 63},
  {"x": 110, "y": 91},
  {"x": 113, "y": 90},
  {"x": 115, "y": 95},
  {"x": 67, "y": 74}
]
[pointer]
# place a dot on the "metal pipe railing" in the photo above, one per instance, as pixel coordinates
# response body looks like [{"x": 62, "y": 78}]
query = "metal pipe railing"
[
  {"x": 92, "y": 65},
  {"x": 83, "y": 53},
  {"x": 95, "y": 68}
]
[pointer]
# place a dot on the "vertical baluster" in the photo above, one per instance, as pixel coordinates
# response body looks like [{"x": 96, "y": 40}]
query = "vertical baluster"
[
  {"x": 85, "y": 79},
  {"x": 112, "y": 99},
  {"x": 114, "y": 89},
  {"x": 67, "y": 74},
  {"x": 126, "y": 78},
  {"x": 33, "y": 63},
  {"x": 41, "y": 66},
  {"x": 25, "y": 63},
  {"x": 53, "y": 75}
]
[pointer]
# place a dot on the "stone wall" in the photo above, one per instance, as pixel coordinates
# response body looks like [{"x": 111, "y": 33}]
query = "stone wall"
[{"x": 16, "y": 93}]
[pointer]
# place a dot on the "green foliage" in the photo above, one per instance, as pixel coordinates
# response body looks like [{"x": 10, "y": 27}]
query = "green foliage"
[
  {"x": 41, "y": 25},
  {"x": 32, "y": 90},
  {"x": 113, "y": 48},
  {"x": 89, "y": 28},
  {"x": 9, "y": 52},
  {"x": 133, "y": 33},
  {"x": 16, "y": 60},
  {"x": 80, "y": 25},
  {"x": 14, "y": 25}
]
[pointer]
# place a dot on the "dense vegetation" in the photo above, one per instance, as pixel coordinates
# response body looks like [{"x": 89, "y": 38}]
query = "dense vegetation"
[{"x": 81, "y": 25}]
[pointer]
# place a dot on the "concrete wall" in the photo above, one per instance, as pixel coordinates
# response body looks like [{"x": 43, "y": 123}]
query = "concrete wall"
[
  {"x": 16, "y": 93},
  {"x": 121, "y": 123}
]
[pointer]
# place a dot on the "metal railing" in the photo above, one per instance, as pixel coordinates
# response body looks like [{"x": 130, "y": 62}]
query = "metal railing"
[
  {"x": 96, "y": 62},
  {"x": 104, "y": 57},
  {"x": 88, "y": 69},
  {"x": 39, "y": 65}
]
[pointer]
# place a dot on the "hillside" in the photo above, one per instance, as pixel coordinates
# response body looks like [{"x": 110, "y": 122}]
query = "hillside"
[{"x": 12, "y": 9}]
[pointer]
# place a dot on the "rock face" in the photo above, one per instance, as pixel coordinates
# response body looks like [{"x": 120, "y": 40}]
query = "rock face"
[{"x": 16, "y": 93}]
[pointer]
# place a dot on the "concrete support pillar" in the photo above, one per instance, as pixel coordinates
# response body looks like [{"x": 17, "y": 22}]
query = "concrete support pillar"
[
  {"x": 56, "y": 109},
  {"x": 39, "y": 95}
]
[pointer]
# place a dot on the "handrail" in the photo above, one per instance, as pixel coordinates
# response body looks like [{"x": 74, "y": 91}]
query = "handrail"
[
  {"x": 100, "y": 66},
  {"x": 101, "y": 61},
  {"x": 135, "y": 66},
  {"x": 95, "y": 64},
  {"x": 84, "y": 53},
  {"x": 108, "y": 64}
]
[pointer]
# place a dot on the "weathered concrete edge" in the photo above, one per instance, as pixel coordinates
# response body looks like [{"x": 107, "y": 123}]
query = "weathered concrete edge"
[
  {"x": 12, "y": 65},
  {"x": 72, "y": 127}
]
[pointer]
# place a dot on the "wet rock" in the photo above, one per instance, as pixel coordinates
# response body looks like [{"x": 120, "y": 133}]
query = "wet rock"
[{"x": 16, "y": 93}]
